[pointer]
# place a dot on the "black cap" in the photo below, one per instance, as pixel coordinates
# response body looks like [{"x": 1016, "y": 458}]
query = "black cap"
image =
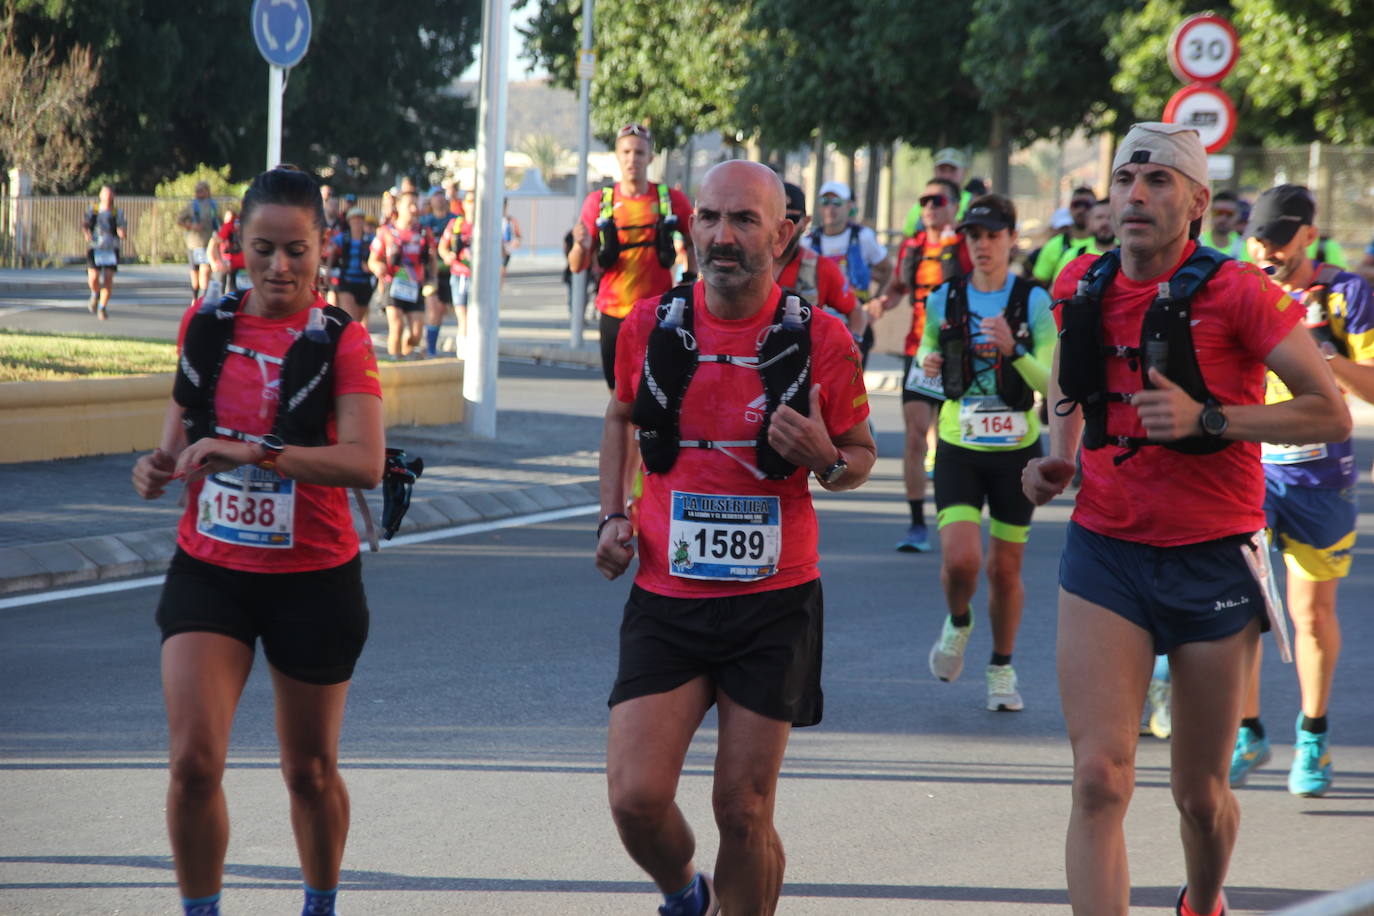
[
  {"x": 989, "y": 211},
  {"x": 796, "y": 198},
  {"x": 1279, "y": 213}
]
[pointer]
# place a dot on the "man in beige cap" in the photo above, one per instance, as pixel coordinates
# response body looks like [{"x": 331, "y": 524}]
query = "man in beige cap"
[
  {"x": 1163, "y": 553},
  {"x": 949, "y": 165}
]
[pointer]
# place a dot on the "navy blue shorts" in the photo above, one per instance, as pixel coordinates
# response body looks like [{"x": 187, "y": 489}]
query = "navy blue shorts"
[{"x": 1193, "y": 593}]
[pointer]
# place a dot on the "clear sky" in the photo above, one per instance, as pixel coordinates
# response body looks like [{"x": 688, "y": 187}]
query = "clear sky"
[{"x": 517, "y": 68}]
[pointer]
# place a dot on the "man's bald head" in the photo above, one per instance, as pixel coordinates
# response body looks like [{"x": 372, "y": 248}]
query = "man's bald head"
[
  {"x": 740, "y": 177},
  {"x": 739, "y": 228}
]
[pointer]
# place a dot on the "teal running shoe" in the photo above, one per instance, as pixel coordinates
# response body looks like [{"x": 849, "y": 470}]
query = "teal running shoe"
[
  {"x": 1310, "y": 775},
  {"x": 916, "y": 540},
  {"x": 1251, "y": 753}
]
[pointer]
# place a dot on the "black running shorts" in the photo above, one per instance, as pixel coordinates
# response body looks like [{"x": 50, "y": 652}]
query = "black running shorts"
[
  {"x": 90, "y": 262},
  {"x": 312, "y": 624},
  {"x": 361, "y": 292},
  {"x": 763, "y": 649},
  {"x": 971, "y": 477},
  {"x": 609, "y": 329}
]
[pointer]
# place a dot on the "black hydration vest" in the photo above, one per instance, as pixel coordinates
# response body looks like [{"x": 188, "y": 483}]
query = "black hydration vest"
[
  {"x": 915, "y": 254},
  {"x": 1166, "y": 343},
  {"x": 664, "y": 225},
  {"x": 957, "y": 349},
  {"x": 783, "y": 362},
  {"x": 306, "y": 395}
]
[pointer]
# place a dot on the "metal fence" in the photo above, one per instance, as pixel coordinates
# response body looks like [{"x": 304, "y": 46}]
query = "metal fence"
[{"x": 47, "y": 231}]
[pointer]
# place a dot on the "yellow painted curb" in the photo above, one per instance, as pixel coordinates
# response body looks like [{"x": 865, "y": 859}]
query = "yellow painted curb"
[{"x": 73, "y": 418}]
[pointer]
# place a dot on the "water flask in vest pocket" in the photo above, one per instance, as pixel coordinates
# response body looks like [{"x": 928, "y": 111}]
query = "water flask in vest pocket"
[
  {"x": 954, "y": 349},
  {"x": 663, "y": 241},
  {"x": 608, "y": 243}
]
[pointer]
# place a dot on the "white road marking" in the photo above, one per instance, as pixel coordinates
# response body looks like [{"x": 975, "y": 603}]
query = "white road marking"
[{"x": 106, "y": 588}]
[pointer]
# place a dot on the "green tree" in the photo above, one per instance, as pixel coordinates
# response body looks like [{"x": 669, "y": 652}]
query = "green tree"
[
  {"x": 1038, "y": 70},
  {"x": 183, "y": 84},
  {"x": 1305, "y": 71},
  {"x": 676, "y": 67},
  {"x": 45, "y": 110}
]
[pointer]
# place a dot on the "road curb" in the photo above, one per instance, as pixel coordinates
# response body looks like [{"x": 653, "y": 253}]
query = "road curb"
[{"x": 109, "y": 557}]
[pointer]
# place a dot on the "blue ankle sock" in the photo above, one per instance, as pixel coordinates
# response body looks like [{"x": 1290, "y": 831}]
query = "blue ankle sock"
[
  {"x": 431, "y": 339},
  {"x": 692, "y": 897},
  {"x": 201, "y": 906},
  {"x": 319, "y": 903}
]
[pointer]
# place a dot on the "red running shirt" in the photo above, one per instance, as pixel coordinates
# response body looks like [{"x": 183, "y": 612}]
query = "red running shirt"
[
  {"x": 636, "y": 274},
  {"x": 323, "y": 524},
  {"x": 415, "y": 243},
  {"x": 725, "y": 402},
  {"x": 832, "y": 288},
  {"x": 1159, "y": 496}
]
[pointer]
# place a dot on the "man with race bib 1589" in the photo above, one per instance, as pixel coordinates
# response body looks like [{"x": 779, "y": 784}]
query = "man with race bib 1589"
[
  {"x": 740, "y": 394},
  {"x": 1309, "y": 489},
  {"x": 1160, "y": 366}
]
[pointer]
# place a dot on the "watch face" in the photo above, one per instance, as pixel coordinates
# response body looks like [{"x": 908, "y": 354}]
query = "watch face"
[
  {"x": 273, "y": 443},
  {"x": 1214, "y": 421}
]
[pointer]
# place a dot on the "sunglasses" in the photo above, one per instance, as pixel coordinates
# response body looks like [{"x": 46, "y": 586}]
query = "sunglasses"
[
  {"x": 794, "y": 217},
  {"x": 634, "y": 130},
  {"x": 832, "y": 202},
  {"x": 934, "y": 200},
  {"x": 1223, "y": 211}
]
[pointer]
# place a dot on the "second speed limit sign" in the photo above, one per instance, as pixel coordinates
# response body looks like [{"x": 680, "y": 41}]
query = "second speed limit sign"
[{"x": 1203, "y": 49}]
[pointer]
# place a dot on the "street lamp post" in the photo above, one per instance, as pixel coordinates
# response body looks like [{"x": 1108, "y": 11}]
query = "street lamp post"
[
  {"x": 586, "y": 65},
  {"x": 479, "y": 372}
]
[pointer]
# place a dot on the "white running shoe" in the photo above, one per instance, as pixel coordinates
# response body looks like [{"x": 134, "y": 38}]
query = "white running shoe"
[
  {"x": 1002, "y": 694},
  {"x": 1161, "y": 714},
  {"x": 947, "y": 655}
]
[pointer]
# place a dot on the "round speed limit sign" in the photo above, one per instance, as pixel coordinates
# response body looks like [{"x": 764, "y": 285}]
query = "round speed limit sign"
[{"x": 1203, "y": 49}]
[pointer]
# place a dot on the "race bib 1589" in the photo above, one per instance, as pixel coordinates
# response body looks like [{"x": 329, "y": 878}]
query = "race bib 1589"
[{"x": 734, "y": 538}]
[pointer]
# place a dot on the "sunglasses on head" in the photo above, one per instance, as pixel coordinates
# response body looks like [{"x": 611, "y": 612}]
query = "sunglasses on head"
[
  {"x": 934, "y": 200},
  {"x": 634, "y": 130}
]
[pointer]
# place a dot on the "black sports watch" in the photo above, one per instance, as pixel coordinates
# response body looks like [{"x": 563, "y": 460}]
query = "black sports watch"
[
  {"x": 1212, "y": 419},
  {"x": 834, "y": 472},
  {"x": 273, "y": 446}
]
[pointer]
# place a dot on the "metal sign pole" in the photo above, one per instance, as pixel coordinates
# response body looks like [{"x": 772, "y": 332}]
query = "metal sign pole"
[
  {"x": 484, "y": 315},
  {"x": 274, "y": 93},
  {"x": 584, "y": 144}
]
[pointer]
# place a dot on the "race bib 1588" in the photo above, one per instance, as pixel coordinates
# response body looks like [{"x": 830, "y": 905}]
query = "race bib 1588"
[{"x": 248, "y": 506}]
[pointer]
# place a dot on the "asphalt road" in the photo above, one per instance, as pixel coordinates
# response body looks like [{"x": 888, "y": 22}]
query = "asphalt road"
[{"x": 474, "y": 745}]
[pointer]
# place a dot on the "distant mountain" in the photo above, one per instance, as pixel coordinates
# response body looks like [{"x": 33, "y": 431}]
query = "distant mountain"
[{"x": 534, "y": 107}]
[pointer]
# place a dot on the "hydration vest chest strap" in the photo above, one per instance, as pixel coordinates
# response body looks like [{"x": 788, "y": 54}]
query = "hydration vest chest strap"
[
  {"x": 305, "y": 395},
  {"x": 782, "y": 359},
  {"x": 1166, "y": 343}
]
